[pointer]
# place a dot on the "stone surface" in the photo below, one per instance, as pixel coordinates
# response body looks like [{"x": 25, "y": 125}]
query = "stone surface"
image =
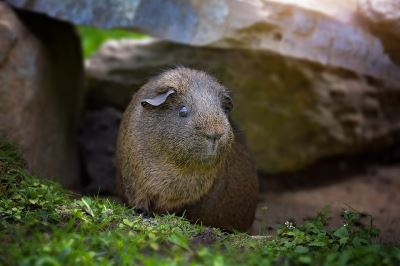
[
  {"x": 383, "y": 18},
  {"x": 293, "y": 112},
  {"x": 97, "y": 138},
  {"x": 41, "y": 88},
  {"x": 326, "y": 32}
]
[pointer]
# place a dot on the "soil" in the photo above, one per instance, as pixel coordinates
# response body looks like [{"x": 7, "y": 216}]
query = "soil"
[
  {"x": 205, "y": 238},
  {"x": 369, "y": 184}
]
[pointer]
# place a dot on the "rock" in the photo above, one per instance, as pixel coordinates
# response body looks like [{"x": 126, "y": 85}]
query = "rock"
[
  {"x": 383, "y": 18},
  {"x": 326, "y": 32},
  {"x": 41, "y": 89},
  {"x": 98, "y": 136},
  {"x": 293, "y": 112}
]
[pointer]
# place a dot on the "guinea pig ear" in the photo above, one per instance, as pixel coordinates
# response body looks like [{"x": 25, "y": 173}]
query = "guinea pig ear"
[
  {"x": 227, "y": 104},
  {"x": 159, "y": 99}
]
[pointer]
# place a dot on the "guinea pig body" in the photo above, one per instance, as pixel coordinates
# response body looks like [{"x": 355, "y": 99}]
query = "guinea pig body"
[{"x": 177, "y": 151}]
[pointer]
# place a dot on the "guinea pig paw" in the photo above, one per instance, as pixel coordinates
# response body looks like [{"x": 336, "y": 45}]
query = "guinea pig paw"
[{"x": 142, "y": 211}]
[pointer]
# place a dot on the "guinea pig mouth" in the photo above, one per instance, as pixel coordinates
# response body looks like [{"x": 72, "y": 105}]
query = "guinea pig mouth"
[
  {"x": 203, "y": 153},
  {"x": 208, "y": 160},
  {"x": 200, "y": 160},
  {"x": 210, "y": 154}
]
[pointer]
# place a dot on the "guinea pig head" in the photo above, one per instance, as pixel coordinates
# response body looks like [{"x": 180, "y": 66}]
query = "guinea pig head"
[{"x": 185, "y": 118}]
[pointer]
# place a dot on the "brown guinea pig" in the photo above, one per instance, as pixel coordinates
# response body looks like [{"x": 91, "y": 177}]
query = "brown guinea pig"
[{"x": 177, "y": 151}]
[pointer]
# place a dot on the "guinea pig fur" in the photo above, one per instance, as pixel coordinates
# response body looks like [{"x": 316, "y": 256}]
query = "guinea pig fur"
[{"x": 177, "y": 151}]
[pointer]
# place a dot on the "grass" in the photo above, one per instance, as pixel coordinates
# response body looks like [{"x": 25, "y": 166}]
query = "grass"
[
  {"x": 42, "y": 224},
  {"x": 93, "y": 38}
]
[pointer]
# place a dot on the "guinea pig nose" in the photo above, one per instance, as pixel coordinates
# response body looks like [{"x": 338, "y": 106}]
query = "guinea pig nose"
[{"x": 213, "y": 137}]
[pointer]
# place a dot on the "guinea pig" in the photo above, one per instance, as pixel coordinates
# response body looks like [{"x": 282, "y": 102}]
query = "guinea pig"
[{"x": 178, "y": 152}]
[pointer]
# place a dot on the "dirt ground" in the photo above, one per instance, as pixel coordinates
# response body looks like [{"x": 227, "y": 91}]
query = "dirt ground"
[{"x": 369, "y": 184}]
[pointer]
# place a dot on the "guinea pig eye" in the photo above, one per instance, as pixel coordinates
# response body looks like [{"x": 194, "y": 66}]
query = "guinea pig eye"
[
  {"x": 227, "y": 104},
  {"x": 183, "y": 111}
]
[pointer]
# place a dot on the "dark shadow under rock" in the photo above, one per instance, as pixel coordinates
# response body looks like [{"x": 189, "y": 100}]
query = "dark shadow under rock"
[{"x": 97, "y": 139}]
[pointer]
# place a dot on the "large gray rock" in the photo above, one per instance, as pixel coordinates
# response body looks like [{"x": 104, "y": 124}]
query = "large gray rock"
[
  {"x": 293, "y": 112},
  {"x": 41, "y": 89},
  {"x": 383, "y": 18},
  {"x": 326, "y": 32}
]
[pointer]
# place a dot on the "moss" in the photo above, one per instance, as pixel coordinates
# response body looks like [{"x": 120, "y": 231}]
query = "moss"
[{"x": 93, "y": 38}]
